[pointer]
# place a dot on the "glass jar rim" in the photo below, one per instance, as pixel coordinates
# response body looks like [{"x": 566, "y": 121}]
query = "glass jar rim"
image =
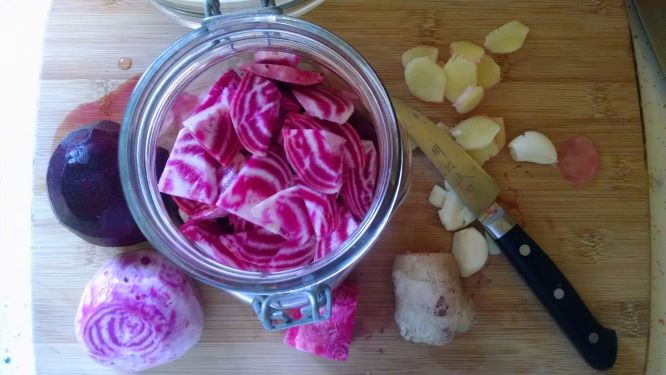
[
  {"x": 134, "y": 166},
  {"x": 189, "y": 15}
]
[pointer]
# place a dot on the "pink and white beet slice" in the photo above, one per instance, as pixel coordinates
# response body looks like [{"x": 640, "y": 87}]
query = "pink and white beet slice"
[
  {"x": 206, "y": 235},
  {"x": 213, "y": 129},
  {"x": 256, "y": 246},
  {"x": 331, "y": 338},
  {"x": 258, "y": 179},
  {"x": 275, "y": 57},
  {"x": 359, "y": 185},
  {"x": 324, "y": 103},
  {"x": 229, "y": 79},
  {"x": 255, "y": 108},
  {"x": 321, "y": 210},
  {"x": 316, "y": 157},
  {"x": 292, "y": 255},
  {"x": 346, "y": 225},
  {"x": 190, "y": 172},
  {"x": 284, "y": 73},
  {"x": 285, "y": 213}
]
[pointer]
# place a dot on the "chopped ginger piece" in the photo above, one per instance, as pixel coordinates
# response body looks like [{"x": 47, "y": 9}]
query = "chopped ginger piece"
[
  {"x": 419, "y": 51},
  {"x": 468, "y": 50},
  {"x": 460, "y": 73},
  {"x": 475, "y": 132},
  {"x": 469, "y": 99},
  {"x": 487, "y": 72},
  {"x": 425, "y": 79},
  {"x": 507, "y": 38}
]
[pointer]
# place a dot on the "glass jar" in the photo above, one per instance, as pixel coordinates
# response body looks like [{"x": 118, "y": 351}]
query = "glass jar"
[
  {"x": 189, "y": 13},
  {"x": 191, "y": 65}
]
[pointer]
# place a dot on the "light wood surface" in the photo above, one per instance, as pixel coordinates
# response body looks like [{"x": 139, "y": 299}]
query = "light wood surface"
[{"x": 574, "y": 75}]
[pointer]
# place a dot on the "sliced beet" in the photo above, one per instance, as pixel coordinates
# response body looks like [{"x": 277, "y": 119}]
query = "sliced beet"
[
  {"x": 256, "y": 246},
  {"x": 191, "y": 172},
  {"x": 213, "y": 129},
  {"x": 285, "y": 213},
  {"x": 258, "y": 179},
  {"x": 346, "y": 225},
  {"x": 358, "y": 188},
  {"x": 288, "y": 102},
  {"x": 229, "y": 79},
  {"x": 240, "y": 225},
  {"x": 324, "y": 103},
  {"x": 206, "y": 235},
  {"x": 84, "y": 188},
  {"x": 321, "y": 210},
  {"x": 255, "y": 108},
  {"x": 286, "y": 74},
  {"x": 353, "y": 153},
  {"x": 275, "y": 57},
  {"x": 316, "y": 157},
  {"x": 291, "y": 255},
  {"x": 330, "y": 338}
]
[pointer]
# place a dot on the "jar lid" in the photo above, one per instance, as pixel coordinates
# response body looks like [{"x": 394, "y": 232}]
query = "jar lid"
[{"x": 190, "y": 13}]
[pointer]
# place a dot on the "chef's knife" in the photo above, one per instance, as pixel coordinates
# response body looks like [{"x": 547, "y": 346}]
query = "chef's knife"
[
  {"x": 653, "y": 17},
  {"x": 596, "y": 344}
]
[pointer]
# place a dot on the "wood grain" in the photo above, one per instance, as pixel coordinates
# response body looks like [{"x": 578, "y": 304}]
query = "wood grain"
[{"x": 574, "y": 75}]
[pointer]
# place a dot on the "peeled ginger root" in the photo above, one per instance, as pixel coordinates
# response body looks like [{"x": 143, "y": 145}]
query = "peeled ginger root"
[
  {"x": 506, "y": 38},
  {"x": 425, "y": 80}
]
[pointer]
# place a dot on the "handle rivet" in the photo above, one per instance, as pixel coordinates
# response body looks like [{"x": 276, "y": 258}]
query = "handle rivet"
[
  {"x": 593, "y": 338},
  {"x": 524, "y": 250},
  {"x": 558, "y": 293}
]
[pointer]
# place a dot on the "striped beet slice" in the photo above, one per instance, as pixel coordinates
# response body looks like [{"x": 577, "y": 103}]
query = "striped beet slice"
[
  {"x": 288, "y": 102},
  {"x": 291, "y": 255},
  {"x": 256, "y": 246},
  {"x": 213, "y": 129},
  {"x": 346, "y": 225},
  {"x": 240, "y": 225},
  {"x": 324, "y": 103},
  {"x": 188, "y": 206},
  {"x": 353, "y": 154},
  {"x": 206, "y": 235},
  {"x": 255, "y": 108},
  {"x": 321, "y": 210},
  {"x": 284, "y": 213},
  {"x": 358, "y": 188},
  {"x": 229, "y": 79},
  {"x": 274, "y": 57},
  {"x": 258, "y": 179},
  {"x": 190, "y": 172},
  {"x": 286, "y": 74},
  {"x": 330, "y": 338},
  {"x": 316, "y": 157},
  {"x": 293, "y": 120}
]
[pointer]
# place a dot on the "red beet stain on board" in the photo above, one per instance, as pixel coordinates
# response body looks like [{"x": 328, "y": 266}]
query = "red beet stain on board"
[
  {"x": 578, "y": 160},
  {"x": 111, "y": 106}
]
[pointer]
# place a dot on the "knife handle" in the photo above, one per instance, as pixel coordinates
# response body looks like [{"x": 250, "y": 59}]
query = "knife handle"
[{"x": 596, "y": 344}]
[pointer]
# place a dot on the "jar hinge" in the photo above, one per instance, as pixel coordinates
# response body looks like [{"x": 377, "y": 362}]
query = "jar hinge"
[{"x": 274, "y": 318}]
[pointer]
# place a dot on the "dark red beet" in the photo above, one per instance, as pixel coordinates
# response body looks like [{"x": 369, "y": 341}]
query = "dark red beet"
[{"x": 84, "y": 187}]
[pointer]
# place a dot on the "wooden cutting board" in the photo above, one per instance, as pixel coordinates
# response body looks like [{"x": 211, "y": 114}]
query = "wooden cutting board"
[{"x": 575, "y": 75}]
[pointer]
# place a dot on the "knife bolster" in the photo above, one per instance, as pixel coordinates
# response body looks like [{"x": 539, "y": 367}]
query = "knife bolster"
[{"x": 496, "y": 221}]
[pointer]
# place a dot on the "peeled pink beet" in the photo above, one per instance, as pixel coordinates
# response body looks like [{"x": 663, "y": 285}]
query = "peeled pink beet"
[
  {"x": 331, "y": 338},
  {"x": 84, "y": 187}
]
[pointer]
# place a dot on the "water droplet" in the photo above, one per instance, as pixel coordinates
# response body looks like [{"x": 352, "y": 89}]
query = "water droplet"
[{"x": 125, "y": 63}]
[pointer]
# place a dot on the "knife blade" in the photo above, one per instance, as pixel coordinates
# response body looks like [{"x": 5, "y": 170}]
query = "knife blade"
[
  {"x": 652, "y": 14},
  {"x": 596, "y": 343}
]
